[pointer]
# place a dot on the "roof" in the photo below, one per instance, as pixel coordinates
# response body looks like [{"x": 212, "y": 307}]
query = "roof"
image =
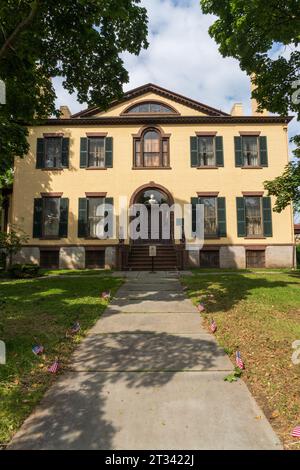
[
  {"x": 297, "y": 228},
  {"x": 151, "y": 88}
]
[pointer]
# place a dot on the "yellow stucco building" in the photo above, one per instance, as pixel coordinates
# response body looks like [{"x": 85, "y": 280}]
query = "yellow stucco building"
[{"x": 153, "y": 145}]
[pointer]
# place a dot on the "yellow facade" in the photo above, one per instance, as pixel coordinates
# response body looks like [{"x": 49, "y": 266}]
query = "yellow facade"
[{"x": 181, "y": 180}]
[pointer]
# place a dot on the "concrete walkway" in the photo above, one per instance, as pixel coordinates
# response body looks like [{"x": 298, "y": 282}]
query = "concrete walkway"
[{"x": 148, "y": 376}]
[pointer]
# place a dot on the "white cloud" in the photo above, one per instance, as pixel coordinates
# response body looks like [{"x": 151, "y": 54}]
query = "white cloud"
[{"x": 183, "y": 58}]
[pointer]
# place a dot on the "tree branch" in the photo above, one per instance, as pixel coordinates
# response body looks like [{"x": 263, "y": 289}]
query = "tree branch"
[{"x": 21, "y": 26}]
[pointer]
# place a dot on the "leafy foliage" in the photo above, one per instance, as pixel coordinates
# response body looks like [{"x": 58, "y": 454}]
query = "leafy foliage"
[
  {"x": 252, "y": 32},
  {"x": 11, "y": 243},
  {"x": 80, "y": 40}
]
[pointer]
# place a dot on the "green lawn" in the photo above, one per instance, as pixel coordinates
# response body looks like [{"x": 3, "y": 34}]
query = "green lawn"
[
  {"x": 38, "y": 311},
  {"x": 259, "y": 314}
]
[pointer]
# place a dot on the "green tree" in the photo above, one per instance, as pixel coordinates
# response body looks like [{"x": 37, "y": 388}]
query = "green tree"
[
  {"x": 80, "y": 40},
  {"x": 252, "y": 32},
  {"x": 11, "y": 243}
]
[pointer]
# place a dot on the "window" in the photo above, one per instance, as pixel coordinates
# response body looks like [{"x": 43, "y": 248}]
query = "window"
[
  {"x": 96, "y": 213},
  {"x": 250, "y": 150},
  {"x": 52, "y": 152},
  {"x": 51, "y": 216},
  {"x": 150, "y": 108},
  {"x": 253, "y": 216},
  {"x": 209, "y": 259},
  {"x": 49, "y": 259},
  {"x": 96, "y": 152},
  {"x": 151, "y": 150},
  {"x": 255, "y": 259},
  {"x": 94, "y": 259},
  {"x": 206, "y": 151},
  {"x": 210, "y": 215}
]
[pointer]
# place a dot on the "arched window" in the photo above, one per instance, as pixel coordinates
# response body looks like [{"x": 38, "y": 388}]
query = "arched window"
[
  {"x": 150, "y": 107},
  {"x": 151, "y": 150}
]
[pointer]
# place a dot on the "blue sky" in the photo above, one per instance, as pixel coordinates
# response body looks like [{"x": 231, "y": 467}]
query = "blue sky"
[{"x": 183, "y": 58}]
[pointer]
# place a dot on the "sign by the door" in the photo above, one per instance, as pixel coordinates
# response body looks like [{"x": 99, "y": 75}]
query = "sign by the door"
[{"x": 152, "y": 250}]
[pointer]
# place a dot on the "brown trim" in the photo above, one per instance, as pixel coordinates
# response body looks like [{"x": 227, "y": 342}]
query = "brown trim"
[
  {"x": 96, "y": 194},
  {"x": 53, "y": 169},
  {"x": 151, "y": 185},
  {"x": 94, "y": 248},
  {"x": 252, "y": 193},
  {"x": 64, "y": 245},
  {"x": 96, "y": 134},
  {"x": 51, "y": 194},
  {"x": 151, "y": 88},
  {"x": 95, "y": 168},
  {"x": 208, "y": 167},
  {"x": 206, "y": 134},
  {"x": 208, "y": 194},
  {"x": 211, "y": 248},
  {"x": 132, "y": 105},
  {"x": 252, "y": 167},
  {"x": 53, "y": 134},
  {"x": 169, "y": 120},
  {"x": 143, "y": 129},
  {"x": 49, "y": 248},
  {"x": 151, "y": 168},
  {"x": 253, "y": 237},
  {"x": 255, "y": 247},
  {"x": 250, "y": 133}
]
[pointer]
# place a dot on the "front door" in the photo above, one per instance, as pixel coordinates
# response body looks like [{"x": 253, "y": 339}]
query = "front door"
[{"x": 159, "y": 229}]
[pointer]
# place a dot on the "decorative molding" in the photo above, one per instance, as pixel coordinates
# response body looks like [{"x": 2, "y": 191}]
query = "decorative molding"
[
  {"x": 143, "y": 129},
  {"x": 206, "y": 133},
  {"x": 255, "y": 247},
  {"x": 208, "y": 167},
  {"x": 208, "y": 194},
  {"x": 53, "y": 134},
  {"x": 96, "y": 134},
  {"x": 103, "y": 194},
  {"x": 252, "y": 193},
  {"x": 151, "y": 185},
  {"x": 51, "y": 194},
  {"x": 250, "y": 133},
  {"x": 136, "y": 103}
]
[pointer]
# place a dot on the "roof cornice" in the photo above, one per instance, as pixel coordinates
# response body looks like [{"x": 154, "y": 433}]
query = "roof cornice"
[
  {"x": 152, "y": 120},
  {"x": 151, "y": 88}
]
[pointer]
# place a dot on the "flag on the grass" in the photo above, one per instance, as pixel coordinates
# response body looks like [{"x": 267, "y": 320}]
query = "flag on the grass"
[
  {"x": 54, "y": 367},
  {"x": 213, "y": 326},
  {"x": 105, "y": 295},
  {"x": 75, "y": 328},
  {"x": 239, "y": 361},
  {"x": 296, "y": 432},
  {"x": 38, "y": 349},
  {"x": 200, "y": 307}
]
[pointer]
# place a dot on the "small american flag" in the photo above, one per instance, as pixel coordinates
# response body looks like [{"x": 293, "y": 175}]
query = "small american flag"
[
  {"x": 239, "y": 361},
  {"x": 75, "y": 328},
  {"x": 296, "y": 432},
  {"x": 213, "y": 326},
  {"x": 54, "y": 367},
  {"x": 38, "y": 349},
  {"x": 105, "y": 295},
  {"x": 200, "y": 307}
]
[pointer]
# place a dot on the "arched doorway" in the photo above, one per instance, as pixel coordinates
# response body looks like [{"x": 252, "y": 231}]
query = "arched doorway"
[{"x": 155, "y": 199}]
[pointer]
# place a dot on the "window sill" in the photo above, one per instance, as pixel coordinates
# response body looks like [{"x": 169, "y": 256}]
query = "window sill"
[
  {"x": 50, "y": 238},
  {"x": 253, "y": 237},
  {"x": 252, "y": 167},
  {"x": 54, "y": 169},
  {"x": 207, "y": 167},
  {"x": 151, "y": 168},
  {"x": 95, "y": 168}
]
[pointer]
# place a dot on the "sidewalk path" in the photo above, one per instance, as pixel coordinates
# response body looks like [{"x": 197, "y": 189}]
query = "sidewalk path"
[{"x": 148, "y": 376}]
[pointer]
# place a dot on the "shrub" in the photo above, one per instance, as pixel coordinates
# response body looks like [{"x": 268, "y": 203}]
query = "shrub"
[{"x": 23, "y": 271}]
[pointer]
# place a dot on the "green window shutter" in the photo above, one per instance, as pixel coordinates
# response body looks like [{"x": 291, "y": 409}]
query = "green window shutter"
[
  {"x": 267, "y": 217},
  {"x": 63, "y": 220},
  {"x": 65, "y": 152},
  {"x": 109, "y": 212},
  {"x": 109, "y": 152},
  {"x": 194, "y": 202},
  {"x": 83, "y": 152},
  {"x": 263, "y": 151},
  {"x": 194, "y": 151},
  {"x": 83, "y": 217},
  {"x": 241, "y": 217},
  {"x": 38, "y": 218},
  {"x": 221, "y": 216},
  {"x": 40, "y": 153},
  {"x": 238, "y": 151},
  {"x": 219, "y": 151}
]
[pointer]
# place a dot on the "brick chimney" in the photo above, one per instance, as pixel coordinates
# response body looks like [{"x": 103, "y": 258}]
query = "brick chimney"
[{"x": 65, "y": 113}]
